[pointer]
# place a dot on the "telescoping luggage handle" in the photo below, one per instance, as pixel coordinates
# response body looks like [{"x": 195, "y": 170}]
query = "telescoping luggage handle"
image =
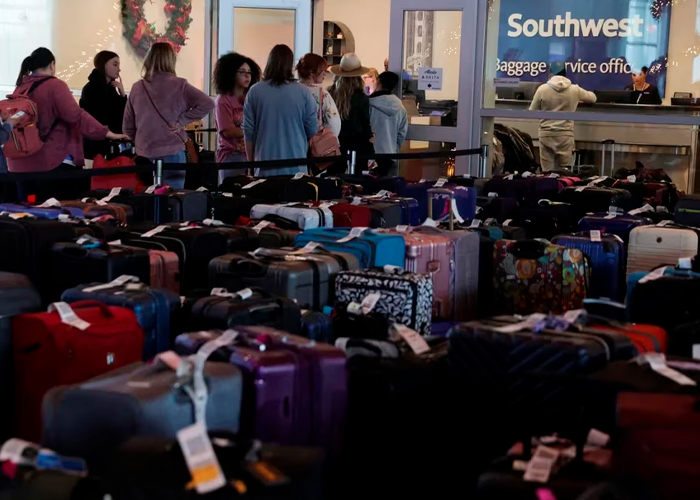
[{"x": 454, "y": 212}]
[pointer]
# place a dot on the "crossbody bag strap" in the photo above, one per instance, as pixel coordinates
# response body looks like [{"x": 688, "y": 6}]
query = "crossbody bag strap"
[{"x": 148, "y": 94}]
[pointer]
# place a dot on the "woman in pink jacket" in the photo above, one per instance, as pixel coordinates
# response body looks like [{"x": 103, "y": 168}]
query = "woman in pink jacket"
[
  {"x": 159, "y": 107},
  {"x": 62, "y": 127}
]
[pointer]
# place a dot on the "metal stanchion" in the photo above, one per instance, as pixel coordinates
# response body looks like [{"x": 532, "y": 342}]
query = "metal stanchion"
[
  {"x": 158, "y": 181},
  {"x": 484, "y": 161},
  {"x": 352, "y": 162}
]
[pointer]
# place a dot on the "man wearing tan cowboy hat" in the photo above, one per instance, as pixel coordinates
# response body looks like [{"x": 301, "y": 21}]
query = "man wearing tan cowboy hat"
[{"x": 353, "y": 107}]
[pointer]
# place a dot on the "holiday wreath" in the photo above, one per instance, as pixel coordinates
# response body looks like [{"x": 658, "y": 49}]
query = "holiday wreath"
[{"x": 142, "y": 35}]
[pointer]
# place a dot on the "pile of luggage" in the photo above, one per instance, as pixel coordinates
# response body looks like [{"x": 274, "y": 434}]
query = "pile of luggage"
[{"x": 297, "y": 337}]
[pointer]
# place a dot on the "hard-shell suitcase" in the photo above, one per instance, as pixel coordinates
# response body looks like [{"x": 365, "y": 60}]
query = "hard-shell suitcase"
[
  {"x": 317, "y": 326},
  {"x": 296, "y": 389},
  {"x": 329, "y": 188},
  {"x": 92, "y": 419},
  {"x": 154, "y": 308},
  {"x": 526, "y": 190},
  {"x": 162, "y": 208},
  {"x": 607, "y": 259},
  {"x": 586, "y": 199},
  {"x": 188, "y": 205},
  {"x": 372, "y": 249},
  {"x": 48, "y": 352},
  {"x": 534, "y": 276},
  {"x": 613, "y": 223},
  {"x": 645, "y": 338},
  {"x": 405, "y": 298},
  {"x": 688, "y": 211},
  {"x": 47, "y": 210},
  {"x": 272, "y": 236},
  {"x": 228, "y": 208},
  {"x": 306, "y": 216},
  {"x": 545, "y": 220},
  {"x": 165, "y": 270},
  {"x": 373, "y": 185},
  {"x": 501, "y": 209},
  {"x": 17, "y": 296},
  {"x": 463, "y": 206},
  {"x": 654, "y": 246},
  {"x": 92, "y": 209},
  {"x": 72, "y": 264},
  {"x": 451, "y": 258},
  {"x": 195, "y": 246},
  {"x": 368, "y": 213},
  {"x": 251, "y": 306},
  {"x": 277, "y": 189},
  {"x": 306, "y": 278}
]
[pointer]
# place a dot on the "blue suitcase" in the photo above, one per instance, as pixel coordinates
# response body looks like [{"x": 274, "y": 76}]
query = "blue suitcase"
[
  {"x": 465, "y": 199},
  {"x": 317, "y": 326},
  {"x": 410, "y": 210},
  {"x": 153, "y": 307},
  {"x": 40, "y": 212},
  {"x": 372, "y": 249},
  {"x": 621, "y": 225},
  {"x": 607, "y": 259},
  {"x": 633, "y": 279}
]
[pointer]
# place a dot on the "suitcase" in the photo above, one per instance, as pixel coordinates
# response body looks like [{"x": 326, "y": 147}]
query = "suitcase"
[
  {"x": 91, "y": 209},
  {"x": 545, "y": 220},
  {"x": 228, "y": 208},
  {"x": 369, "y": 213},
  {"x": 317, "y": 326},
  {"x": 278, "y": 189},
  {"x": 17, "y": 297},
  {"x": 450, "y": 257},
  {"x": 50, "y": 211},
  {"x": 373, "y": 185},
  {"x": 462, "y": 180},
  {"x": 585, "y": 200},
  {"x": 145, "y": 207},
  {"x": 372, "y": 326},
  {"x": 92, "y": 419},
  {"x": 620, "y": 225},
  {"x": 527, "y": 191},
  {"x": 654, "y": 246},
  {"x": 306, "y": 216},
  {"x": 329, "y": 188},
  {"x": 637, "y": 192},
  {"x": 305, "y": 278},
  {"x": 406, "y": 298},
  {"x": 195, "y": 247},
  {"x": 253, "y": 306},
  {"x": 187, "y": 206},
  {"x": 645, "y": 338},
  {"x": 153, "y": 307},
  {"x": 533, "y": 276},
  {"x": 272, "y": 236},
  {"x": 687, "y": 211},
  {"x": 72, "y": 264},
  {"x": 607, "y": 260},
  {"x": 297, "y": 388},
  {"x": 165, "y": 270},
  {"x": 500, "y": 209},
  {"x": 465, "y": 199},
  {"x": 49, "y": 353},
  {"x": 26, "y": 245},
  {"x": 371, "y": 248}
]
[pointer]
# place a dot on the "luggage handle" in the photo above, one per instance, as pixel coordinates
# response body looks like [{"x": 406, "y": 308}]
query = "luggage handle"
[
  {"x": 431, "y": 197},
  {"x": 528, "y": 249},
  {"x": 83, "y": 304}
]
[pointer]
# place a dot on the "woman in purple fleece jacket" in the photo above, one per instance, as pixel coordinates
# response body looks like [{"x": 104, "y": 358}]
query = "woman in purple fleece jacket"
[{"x": 159, "y": 107}]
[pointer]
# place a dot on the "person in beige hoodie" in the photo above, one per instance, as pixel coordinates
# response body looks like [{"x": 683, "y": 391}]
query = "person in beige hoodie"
[{"x": 557, "y": 136}]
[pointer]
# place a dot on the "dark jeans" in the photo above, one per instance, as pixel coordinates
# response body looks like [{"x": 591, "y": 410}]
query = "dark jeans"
[{"x": 61, "y": 189}]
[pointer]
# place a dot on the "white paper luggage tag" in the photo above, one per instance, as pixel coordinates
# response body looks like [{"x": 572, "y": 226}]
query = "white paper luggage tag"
[
  {"x": 685, "y": 263},
  {"x": 154, "y": 231},
  {"x": 201, "y": 460},
  {"x": 430, "y": 223},
  {"x": 541, "y": 464},
  {"x": 356, "y": 201},
  {"x": 254, "y": 183},
  {"x": 298, "y": 175},
  {"x": 212, "y": 222},
  {"x": 510, "y": 177},
  {"x": 417, "y": 343},
  {"x": 202, "y": 189},
  {"x": 554, "y": 176},
  {"x": 120, "y": 281},
  {"x": 507, "y": 222},
  {"x": 631, "y": 178},
  {"x": 309, "y": 248},
  {"x": 493, "y": 195},
  {"x": 664, "y": 223},
  {"x": 261, "y": 225},
  {"x": 596, "y": 236},
  {"x": 68, "y": 316},
  {"x": 440, "y": 182},
  {"x": 475, "y": 223},
  {"x": 654, "y": 275},
  {"x": 598, "y": 180},
  {"x": 355, "y": 232},
  {"x": 455, "y": 212},
  {"x": 370, "y": 301},
  {"x": 151, "y": 189},
  {"x": 50, "y": 203},
  {"x": 645, "y": 208},
  {"x": 114, "y": 192},
  {"x": 227, "y": 195},
  {"x": 527, "y": 174}
]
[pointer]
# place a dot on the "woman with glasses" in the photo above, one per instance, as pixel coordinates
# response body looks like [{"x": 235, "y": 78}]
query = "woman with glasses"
[{"x": 234, "y": 74}]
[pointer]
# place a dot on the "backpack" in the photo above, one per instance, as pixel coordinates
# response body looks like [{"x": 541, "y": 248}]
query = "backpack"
[
  {"x": 324, "y": 143},
  {"x": 25, "y": 139}
]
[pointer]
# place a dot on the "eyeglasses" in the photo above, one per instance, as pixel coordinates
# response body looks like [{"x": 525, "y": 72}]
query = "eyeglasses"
[{"x": 245, "y": 73}]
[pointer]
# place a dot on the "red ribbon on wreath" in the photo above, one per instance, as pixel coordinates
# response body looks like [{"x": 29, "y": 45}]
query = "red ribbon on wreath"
[{"x": 141, "y": 34}]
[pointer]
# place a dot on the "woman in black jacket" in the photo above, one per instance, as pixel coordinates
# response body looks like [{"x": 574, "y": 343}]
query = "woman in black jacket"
[
  {"x": 353, "y": 107},
  {"x": 104, "y": 98}
]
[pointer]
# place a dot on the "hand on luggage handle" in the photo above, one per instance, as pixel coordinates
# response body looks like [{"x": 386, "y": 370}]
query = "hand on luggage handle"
[{"x": 82, "y": 304}]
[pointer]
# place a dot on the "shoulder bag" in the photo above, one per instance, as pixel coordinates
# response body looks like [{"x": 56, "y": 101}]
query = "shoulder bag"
[{"x": 324, "y": 143}]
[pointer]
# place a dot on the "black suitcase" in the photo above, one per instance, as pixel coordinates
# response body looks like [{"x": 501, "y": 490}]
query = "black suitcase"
[
  {"x": 385, "y": 215},
  {"x": 174, "y": 206},
  {"x": 73, "y": 264},
  {"x": 317, "y": 326},
  {"x": 187, "y": 206},
  {"x": 500, "y": 209},
  {"x": 261, "y": 308},
  {"x": 228, "y": 208},
  {"x": 238, "y": 238},
  {"x": 279, "y": 189},
  {"x": 273, "y": 237},
  {"x": 195, "y": 246},
  {"x": 584, "y": 200},
  {"x": 687, "y": 211},
  {"x": 546, "y": 220},
  {"x": 637, "y": 192},
  {"x": 373, "y": 185},
  {"x": 462, "y": 180}
]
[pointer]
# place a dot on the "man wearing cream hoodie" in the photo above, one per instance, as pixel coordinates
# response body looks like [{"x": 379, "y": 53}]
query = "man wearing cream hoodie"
[{"x": 557, "y": 136}]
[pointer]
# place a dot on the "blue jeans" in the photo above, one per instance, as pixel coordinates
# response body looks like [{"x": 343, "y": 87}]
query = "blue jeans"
[
  {"x": 232, "y": 172},
  {"x": 173, "y": 178}
]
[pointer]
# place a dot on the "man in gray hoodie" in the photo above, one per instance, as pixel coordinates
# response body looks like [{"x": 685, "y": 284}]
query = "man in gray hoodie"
[
  {"x": 557, "y": 136},
  {"x": 388, "y": 120}
]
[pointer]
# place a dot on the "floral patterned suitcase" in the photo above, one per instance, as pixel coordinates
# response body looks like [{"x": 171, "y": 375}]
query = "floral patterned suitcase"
[{"x": 536, "y": 276}]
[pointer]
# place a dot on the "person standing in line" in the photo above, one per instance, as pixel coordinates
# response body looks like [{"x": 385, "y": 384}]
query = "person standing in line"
[
  {"x": 159, "y": 107},
  {"x": 62, "y": 125},
  {"x": 557, "y": 142},
  {"x": 353, "y": 107},
  {"x": 234, "y": 74},
  {"x": 279, "y": 115},
  {"x": 105, "y": 99},
  {"x": 389, "y": 122},
  {"x": 371, "y": 79},
  {"x": 312, "y": 70}
]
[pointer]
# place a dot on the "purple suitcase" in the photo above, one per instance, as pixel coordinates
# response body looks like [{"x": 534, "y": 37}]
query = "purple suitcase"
[
  {"x": 295, "y": 390},
  {"x": 527, "y": 191},
  {"x": 41, "y": 212},
  {"x": 465, "y": 198},
  {"x": 620, "y": 225}
]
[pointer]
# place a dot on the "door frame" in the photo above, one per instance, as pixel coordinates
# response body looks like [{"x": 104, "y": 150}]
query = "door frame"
[
  {"x": 470, "y": 80},
  {"x": 303, "y": 21}
]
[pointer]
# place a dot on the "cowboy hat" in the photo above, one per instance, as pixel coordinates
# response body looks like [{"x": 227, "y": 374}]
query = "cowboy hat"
[{"x": 350, "y": 65}]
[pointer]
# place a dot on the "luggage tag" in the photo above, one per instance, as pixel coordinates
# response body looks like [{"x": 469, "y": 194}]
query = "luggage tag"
[
  {"x": 475, "y": 223},
  {"x": 528, "y": 323},
  {"x": 227, "y": 195},
  {"x": 685, "y": 263},
  {"x": 507, "y": 222},
  {"x": 298, "y": 175},
  {"x": 430, "y": 223},
  {"x": 661, "y": 209},
  {"x": 393, "y": 269},
  {"x": 493, "y": 195},
  {"x": 527, "y": 174},
  {"x": 252, "y": 184},
  {"x": 120, "y": 281},
  {"x": 202, "y": 189},
  {"x": 597, "y": 181},
  {"x": 369, "y": 302},
  {"x": 95, "y": 201},
  {"x": 581, "y": 189},
  {"x": 632, "y": 178},
  {"x": 115, "y": 242},
  {"x": 645, "y": 208},
  {"x": 68, "y": 316},
  {"x": 417, "y": 343},
  {"x": 510, "y": 177},
  {"x": 596, "y": 236},
  {"x": 50, "y": 203},
  {"x": 554, "y": 176},
  {"x": 114, "y": 192},
  {"x": 212, "y": 222},
  {"x": 355, "y": 232},
  {"x": 466, "y": 176},
  {"x": 403, "y": 229},
  {"x": 154, "y": 231},
  {"x": 261, "y": 225},
  {"x": 151, "y": 189},
  {"x": 657, "y": 361},
  {"x": 309, "y": 248},
  {"x": 491, "y": 222},
  {"x": 200, "y": 458},
  {"x": 455, "y": 212},
  {"x": 422, "y": 181},
  {"x": 356, "y": 200},
  {"x": 19, "y": 452},
  {"x": 440, "y": 182},
  {"x": 541, "y": 464},
  {"x": 654, "y": 275},
  {"x": 664, "y": 223},
  {"x": 88, "y": 241}
]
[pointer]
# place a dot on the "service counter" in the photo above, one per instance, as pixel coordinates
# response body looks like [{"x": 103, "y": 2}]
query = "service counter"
[{"x": 671, "y": 147}]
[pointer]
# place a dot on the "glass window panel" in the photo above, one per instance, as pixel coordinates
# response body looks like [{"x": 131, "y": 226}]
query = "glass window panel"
[{"x": 257, "y": 31}]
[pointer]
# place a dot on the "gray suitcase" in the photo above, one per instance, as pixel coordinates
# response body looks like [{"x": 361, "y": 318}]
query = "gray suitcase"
[
  {"x": 306, "y": 278},
  {"x": 91, "y": 420}
]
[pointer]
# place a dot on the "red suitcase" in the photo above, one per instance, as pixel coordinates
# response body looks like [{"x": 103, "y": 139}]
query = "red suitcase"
[
  {"x": 48, "y": 352},
  {"x": 349, "y": 215},
  {"x": 646, "y": 338},
  {"x": 165, "y": 270}
]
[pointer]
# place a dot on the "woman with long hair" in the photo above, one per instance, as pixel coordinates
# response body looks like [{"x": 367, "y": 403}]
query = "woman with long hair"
[
  {"x": 159, "y": 108},
  {"x": 371, "y": 78},
  {"x": 279, "y": 115},
  {"x": 234, "y": 74},
  {"x": 105, "y": 99},
  {"x": 312, "y": 70},
  {"x": 62, "y": 126},
  {"x": 353, "y": 106}
]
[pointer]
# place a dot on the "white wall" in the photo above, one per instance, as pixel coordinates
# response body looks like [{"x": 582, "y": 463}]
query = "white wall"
[{"x": 684, "y": 50}]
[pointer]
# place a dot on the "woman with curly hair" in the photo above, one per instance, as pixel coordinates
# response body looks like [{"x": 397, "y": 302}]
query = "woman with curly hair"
[{"x": 234, "y": 74}]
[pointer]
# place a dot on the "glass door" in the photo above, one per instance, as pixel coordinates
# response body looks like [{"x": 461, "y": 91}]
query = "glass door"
[
  {"x": 432, "y": 47},
  {"x": 253, "y": 27}
]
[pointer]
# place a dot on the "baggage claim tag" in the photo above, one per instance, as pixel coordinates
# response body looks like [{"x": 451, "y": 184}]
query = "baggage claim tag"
[
  {"x": 475, "y": 223},
  {"x": 298, "y": 175},
  {"x": 596, "y": 236},
  {"x": 417, "y": 343},
  {"x": 455, "y": 212},
  {"x": 50, "y": 203},
  {"x": 261, "y": 225},
  {"x": 541, "y": 464},
  {"x": 441, "y": 182},
  {"x": 151, "y": 189},
  {"x": 370, "y": 301},
  {"x": 254, "y": 183},
  {"x": 114, "y": 192},
  {"x": 685, "y": 263},
  {"x": 201, "y": 459},
  {"x": 309, "y": 248},
  {"x": 154, "y": 231},
  {"x": 68, "y": 316},
  {"x": 355, "y": 232}
]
